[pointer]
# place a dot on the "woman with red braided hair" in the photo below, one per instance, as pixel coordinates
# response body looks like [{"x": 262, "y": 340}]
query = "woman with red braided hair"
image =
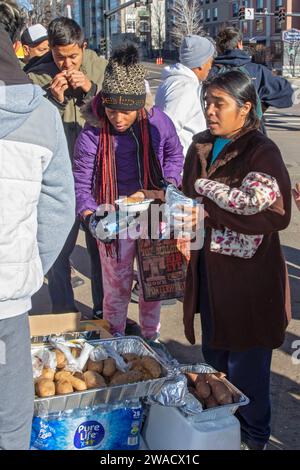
[{"x": 123, "y": 150}]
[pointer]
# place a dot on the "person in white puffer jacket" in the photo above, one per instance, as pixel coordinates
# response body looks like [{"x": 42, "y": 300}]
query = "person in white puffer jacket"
[
  {"x": 37, "y": 210},
  {"x": 179, "y": 96}
]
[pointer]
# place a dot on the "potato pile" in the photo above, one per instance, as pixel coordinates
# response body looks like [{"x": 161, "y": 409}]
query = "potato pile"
[
  {"x": 210, "y": 389},
  {"x": 96, "y": 374}
]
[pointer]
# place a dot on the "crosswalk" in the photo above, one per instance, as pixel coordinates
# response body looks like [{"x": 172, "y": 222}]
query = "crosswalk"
[{"x": 282, "y": 122}]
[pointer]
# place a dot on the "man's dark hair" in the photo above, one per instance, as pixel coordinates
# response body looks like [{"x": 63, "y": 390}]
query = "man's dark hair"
[
  {"x": 65, "y": 31},
  {"x": 228, "y": 39},
  {"x": 11, "y": 19},
  {"x": 241, "y": 88}
]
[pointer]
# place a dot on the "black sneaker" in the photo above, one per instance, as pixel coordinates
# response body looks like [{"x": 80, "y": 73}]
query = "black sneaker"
[
  {"x": 248, "y": 446},
  {"x": 135, "y": 293},
  {"x": 98, "y": 315},
  {"x": 76, "y": 281}
]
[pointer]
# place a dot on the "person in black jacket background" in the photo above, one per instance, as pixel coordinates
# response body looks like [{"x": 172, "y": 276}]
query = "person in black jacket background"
[{"x": 272, "y": 90}]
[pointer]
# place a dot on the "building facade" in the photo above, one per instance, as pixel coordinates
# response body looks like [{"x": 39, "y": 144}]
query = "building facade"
[{"x": 263, "y": 35}]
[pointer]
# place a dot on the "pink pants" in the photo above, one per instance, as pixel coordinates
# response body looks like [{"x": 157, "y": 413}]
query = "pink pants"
[{"x": 117, "y": 284}]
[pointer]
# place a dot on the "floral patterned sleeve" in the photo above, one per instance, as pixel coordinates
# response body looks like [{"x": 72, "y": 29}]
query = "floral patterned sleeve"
[{"x": 257, "y": 193}]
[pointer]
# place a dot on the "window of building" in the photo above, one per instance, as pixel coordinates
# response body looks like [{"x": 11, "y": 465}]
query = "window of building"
[
  {"x": 259, "y": 5},
  {"x": 245, "y": 27},
  {"x": 259, "y": 25},
  {"x": 130, "y": 26},
  {"x": 215, "y": 14},
  {"x": 207, "y": 15},
  {"x": 235, "y": 9},
  {"x": 213, "y": 31},
  {"x": 277, "y": 49},
  {"x": 245, "y": 3},
  {"x": 278, "y": 26},
  {"x": 206, "y": 1},
  {"x": 278, "y": 3},
  {"x": 144, "y": 26}
]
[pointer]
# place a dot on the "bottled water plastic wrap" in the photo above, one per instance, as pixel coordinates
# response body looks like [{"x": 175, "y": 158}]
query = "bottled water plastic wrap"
[{"x": 104, "y": 427}]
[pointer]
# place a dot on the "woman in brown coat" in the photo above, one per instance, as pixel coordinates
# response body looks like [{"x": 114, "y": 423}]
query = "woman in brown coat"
[{"x": 242, "y": 300}]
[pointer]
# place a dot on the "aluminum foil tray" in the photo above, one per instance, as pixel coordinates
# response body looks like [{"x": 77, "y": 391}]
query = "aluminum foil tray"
[
  {"x": 220, "y": 411},
  {"x": 117, "y": 393}
]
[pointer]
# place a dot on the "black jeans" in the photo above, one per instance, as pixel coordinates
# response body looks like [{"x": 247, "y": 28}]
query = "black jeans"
[
  {"x": 248, "y": 370},
  {"x": 59, "y": 276}
]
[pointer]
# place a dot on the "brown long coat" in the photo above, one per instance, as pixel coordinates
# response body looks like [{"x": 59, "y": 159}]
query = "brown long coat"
[{"x": 247, "y": 296}]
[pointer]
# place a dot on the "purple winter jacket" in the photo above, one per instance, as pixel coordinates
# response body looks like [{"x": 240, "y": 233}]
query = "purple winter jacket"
[{"x": 165, "y": 143}]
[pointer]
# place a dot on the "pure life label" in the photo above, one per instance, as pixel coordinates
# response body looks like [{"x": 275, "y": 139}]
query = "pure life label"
[{"x": 88, "y": 434}]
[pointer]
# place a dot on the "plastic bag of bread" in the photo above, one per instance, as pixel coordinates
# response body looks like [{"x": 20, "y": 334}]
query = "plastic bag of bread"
[{"x": 42, "y": 359}]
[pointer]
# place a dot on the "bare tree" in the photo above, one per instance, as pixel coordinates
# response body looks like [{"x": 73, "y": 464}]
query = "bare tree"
[
  {"x": 43, "y": 11},
  {"x": 158, "y": 24},
  {"x": 188, "y": 19}
]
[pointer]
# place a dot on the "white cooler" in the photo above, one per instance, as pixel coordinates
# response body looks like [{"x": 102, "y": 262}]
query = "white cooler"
[{"x": 166, "y": 428}]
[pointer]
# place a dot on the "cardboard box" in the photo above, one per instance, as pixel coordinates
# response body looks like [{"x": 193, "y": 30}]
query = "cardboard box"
[
  {"x": 56, "y": 323},
  {"x": 94, "y": 325},
  {"x": 42, "y": 327}
]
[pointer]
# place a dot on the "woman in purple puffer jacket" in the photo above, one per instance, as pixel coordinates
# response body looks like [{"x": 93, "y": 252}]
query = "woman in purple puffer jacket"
[{"x": 123, "y": 150}]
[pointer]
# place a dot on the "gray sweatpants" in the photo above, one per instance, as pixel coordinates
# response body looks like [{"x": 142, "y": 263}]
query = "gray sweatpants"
[{"x": 16, "y": 384}]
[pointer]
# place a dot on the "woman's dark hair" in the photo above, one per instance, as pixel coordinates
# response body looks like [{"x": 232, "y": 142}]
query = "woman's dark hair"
[
  {"x": 240, "y": 87},
  {"x": 228, "y": 39},
  {"x": 65, "y": 31},
  {"x": 11, "y": 19}
]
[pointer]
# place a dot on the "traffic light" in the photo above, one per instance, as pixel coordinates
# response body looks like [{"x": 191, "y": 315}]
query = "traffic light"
[
  {"x": 242, "y": 13},
  {"x": 281, "y": 14}
]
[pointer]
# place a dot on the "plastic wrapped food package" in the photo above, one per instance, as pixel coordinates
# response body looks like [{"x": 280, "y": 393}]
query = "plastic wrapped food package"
[{"x": 102, "y": 427}]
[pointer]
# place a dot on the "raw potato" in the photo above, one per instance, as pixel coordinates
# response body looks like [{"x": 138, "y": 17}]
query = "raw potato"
[
  {"x": 96, "y": 366},
  {"x": 62, "y": 375},
  {"x": 45, "y": 388},
  {"x": 109, "y": 367},
  {"x": 211, "y": 402},
  {"x": 78, "y": 384},
  {"x": 129, "y": 357},
  {"x": 47, "y": 373},
  {"x": 60, "y": 359},
  {"x": 146, "y": 375},
  {"x": 137, "y": 365},
  {"x": 152, "y": 366},
  {"x": 63, "y": 386},
  {"x": 200, "y": 384},
  {"x": 94, "y": 380},
  {"x": 116, "y": 374},
  {"x": 193, "y": 391},
  {"x": 79, "y": 375},
  {"x": 220, "y": 391},
  {"x": 127, "y": 377}
]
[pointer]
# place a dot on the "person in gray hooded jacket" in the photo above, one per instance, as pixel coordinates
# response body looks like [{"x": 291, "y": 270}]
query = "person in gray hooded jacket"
[{"x": 37, "y": 210}]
